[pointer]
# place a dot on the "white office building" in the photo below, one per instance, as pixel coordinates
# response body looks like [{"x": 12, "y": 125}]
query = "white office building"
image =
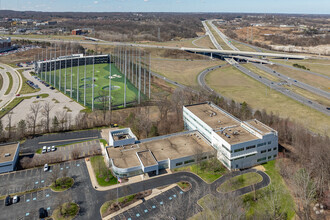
[{"x": 239, "y": 144}]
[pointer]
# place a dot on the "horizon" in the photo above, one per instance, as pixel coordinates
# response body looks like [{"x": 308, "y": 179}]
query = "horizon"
[{"x": 318, "y": 7}]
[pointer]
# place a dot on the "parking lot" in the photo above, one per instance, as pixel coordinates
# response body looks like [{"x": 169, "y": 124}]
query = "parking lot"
[
  {"x": 29, "y": 204},
  {"x": 157, "y": 206}
]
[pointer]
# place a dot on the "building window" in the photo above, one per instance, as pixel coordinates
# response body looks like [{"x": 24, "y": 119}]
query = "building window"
[
  {"x": 261, "y": 159},
  {"x": 250, "y": 147},
  {"x": 269, "y": 149},
  {"x": 250, "y": 155},
  {"x": 178, "y": 164},
  {"x": 260, "y": 145},
  {"x": 263, "y": 151},
  {"x": 204, "y": 158},
  {"x": 275, "y": 156},
  {"x": 238, "y": 150},
  {"x": 269, "y": 142},
  {"x": 239, "y": 158},
  {"x": 269, "y": 157},
  {"x": 275, "y": 148},
  {"x": 226, "y": 148},
  {"x": 189, "y": 161}
]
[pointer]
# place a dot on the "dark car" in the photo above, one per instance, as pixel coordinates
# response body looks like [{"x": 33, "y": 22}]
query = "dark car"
[
  {"x": 7, "y": 200},
  {"x": 42, "y": 213},
  {"x": 52, "y": 88}
]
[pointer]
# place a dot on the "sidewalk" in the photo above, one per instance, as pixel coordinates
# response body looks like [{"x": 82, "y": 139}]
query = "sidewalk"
[{"x": 131, "y": 180}]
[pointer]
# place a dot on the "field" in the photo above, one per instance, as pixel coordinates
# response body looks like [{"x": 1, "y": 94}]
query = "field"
[
  {"x": 260, "y": 72},
  {"x": 182, "y": 71},
  {"x": 233, "y": 84},
  {"x": 205, "y": 42},
  {"x": 317, "y": 66},
  {"x": 101, "y": 85}
]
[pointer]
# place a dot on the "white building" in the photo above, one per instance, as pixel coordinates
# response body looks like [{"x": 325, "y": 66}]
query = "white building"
[
  {"x": 239, "y": 144},
  {"x": 9, "y": 153}
]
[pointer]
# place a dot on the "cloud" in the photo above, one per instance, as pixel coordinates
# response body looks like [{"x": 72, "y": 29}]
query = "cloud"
[
  {"x": 146, "y": 0},
  {"x": 96, "y": 2}
]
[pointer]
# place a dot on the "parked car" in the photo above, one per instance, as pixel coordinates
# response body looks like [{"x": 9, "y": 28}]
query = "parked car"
[
  {"x": 15, "y": 199},
  {"x": 7, "y": 200},
  {"x": 18, "y": 94},
  {"x": 49, "y": 149},
  {"x": 44, "y": 149},
  {"x": 53, "y": 148},
  {"x": 42, "y": 213},
  {"x": 46, "y": 167}
]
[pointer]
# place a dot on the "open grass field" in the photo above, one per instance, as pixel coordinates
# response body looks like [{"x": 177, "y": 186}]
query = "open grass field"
[
  {"x": 311, "y": 96},
  {"x": 1, "y": 82},
  {"x": 205, "y": 42},
  {"x": 101, "y": 85},
  {"x": 242, "y": 47},
  {"x": 174, "y": 43},
  {"x": 182, "y": 71},
  {"x": 304, "y": 77},
  {"x": 317, "y": 66},
  {"x": 233, "y": 84},
  {"x": 26, "y": 89}
]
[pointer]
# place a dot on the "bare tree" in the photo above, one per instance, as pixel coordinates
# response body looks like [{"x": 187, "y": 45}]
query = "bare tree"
[
  {"x": 55, "y": 175},
  {"x": 46, "y": 108},
  {"x": 34, "y": 109},
  {"x": 75, "y": 153},
  {"x": 9, "y": 116},
  {"x": 21, "y": 127}
]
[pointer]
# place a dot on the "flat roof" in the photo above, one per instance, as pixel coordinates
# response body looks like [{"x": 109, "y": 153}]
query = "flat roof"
[
  {"x": 236, "y": 135},
  {"x": 173, "y": 147},
  {"x": 259, "y": 126},
  {"x": 147, "y": 158},
  {"x": 212, "y": 116},
  {"x": 8, "y": 148}
]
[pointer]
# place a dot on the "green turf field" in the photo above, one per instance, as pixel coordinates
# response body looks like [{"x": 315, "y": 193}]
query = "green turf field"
[{"x": 101, "y": 85}]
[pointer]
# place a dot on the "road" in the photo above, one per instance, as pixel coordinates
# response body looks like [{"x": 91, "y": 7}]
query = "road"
[
  {"x": 31, "y": 145},
  {"x": 278, "y": 87},
  {"x": 292, "y": 81},
  {"x": 222, "y": 36},
  {"x": 16, "y": 86}
]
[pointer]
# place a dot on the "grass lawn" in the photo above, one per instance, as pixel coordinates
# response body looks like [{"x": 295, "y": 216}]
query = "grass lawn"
[
  {"x": 205, "y": 42},
  {"x": 304, "y": 77},
  {"x": 242, "y": 47},
  {"x": 239, "y": 182},
  {"x": 102, "y": 172},
  {"x": 185, "y": 186},
  {"x": 208, "y": 170},
  {"x": 206, "y": 213},
  {"x": 70, "y": 210},
  {"x": 317, "y": 66},
  {"x": 219, "y": 39},
  {"x": 26, "y": 89},
  {"x": 63, "y": 184},
  {"x": 234, "y": 84},
  {"x": 16, "y": 101},
  {"x": 311, "y": 96},
  {"x": 175, "y": 43},
  {"x": 182, "y": 71},
  {"x": 10, "y": 86},
  {"x": 101, "y": 84},
  {"x": 104, "y": 142},
  {"x": 124, "y": 200},
  {"x": 286, "y": 201}
]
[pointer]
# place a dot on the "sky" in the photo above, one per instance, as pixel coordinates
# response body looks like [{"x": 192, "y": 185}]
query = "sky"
[{"x": 248, "y": 6}]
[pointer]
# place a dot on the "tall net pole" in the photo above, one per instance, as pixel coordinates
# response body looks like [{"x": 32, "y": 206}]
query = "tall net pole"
[
  {"x": 50, "y": 69},
  {"x": 139, "y": 98},
  {"x": 110, "y": 88},
  {"x": 132, "y": 68},
  {"x": 144, "y": 73},
  {"x": 66, "y": 61},
  {"x": 149, "y": 68},
  {"x": 136, "y": 68},
  {"x": 93, "y": 84},
  {"x": 46, "y": 61},
  {"x": 125, "y": 77},
  {"x": 85, "y": 83},
  {"x": 78, "y": 67},
  {"x": 60, "y": 77},
  {"x": 42, "y": 62},
  {"x": 55, "y": 68},
  {"x": 71, "y": 74},
  {"x": 128, "y": 63}
]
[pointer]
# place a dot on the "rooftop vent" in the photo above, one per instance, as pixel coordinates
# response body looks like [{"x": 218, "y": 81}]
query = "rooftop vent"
[
  {"x": 7, "y": 154},
  {"x": 235, "y": 133}
]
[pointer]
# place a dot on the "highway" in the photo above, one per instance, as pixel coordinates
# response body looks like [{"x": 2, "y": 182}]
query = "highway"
[
  {"x": 278, "y": 87},
  {"x": 292, "y": 81},
  {"x": 223, "y": 37},
  {"x": 209, "y": 32}
]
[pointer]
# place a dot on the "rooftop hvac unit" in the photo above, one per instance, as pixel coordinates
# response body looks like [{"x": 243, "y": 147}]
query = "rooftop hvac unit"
[{"x": 7, "y": 154}]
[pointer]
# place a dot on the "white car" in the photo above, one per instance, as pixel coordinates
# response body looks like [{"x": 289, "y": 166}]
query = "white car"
[
  {"x": 15, "y": 199},
  {"x": 44, "y": 149},
  {"x": 48, "y": 149},
  {"x": 46, "y": 167},
  {"x": 53, "y": 148}
]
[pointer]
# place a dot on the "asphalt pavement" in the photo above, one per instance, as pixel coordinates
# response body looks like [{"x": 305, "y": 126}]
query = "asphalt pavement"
[{"x": 33, "y": 144}]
